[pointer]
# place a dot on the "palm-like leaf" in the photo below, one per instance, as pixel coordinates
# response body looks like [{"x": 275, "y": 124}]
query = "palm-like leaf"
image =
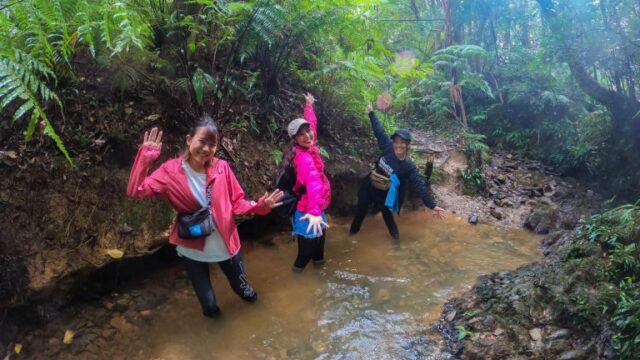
[{"x": 21, "y": 82}]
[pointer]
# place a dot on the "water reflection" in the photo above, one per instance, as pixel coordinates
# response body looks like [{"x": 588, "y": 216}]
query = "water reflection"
[{"x": 372, "y": 299}]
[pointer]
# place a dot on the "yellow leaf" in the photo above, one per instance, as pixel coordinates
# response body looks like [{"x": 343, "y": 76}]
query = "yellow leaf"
[
  {"x": 115, "y": 253},
  {"x": 17, "y": 348},
  {"x": 68, "y": 337}
]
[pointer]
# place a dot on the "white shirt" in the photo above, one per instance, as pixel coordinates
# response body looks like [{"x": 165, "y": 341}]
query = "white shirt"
[{"x": 214, "y": 248}]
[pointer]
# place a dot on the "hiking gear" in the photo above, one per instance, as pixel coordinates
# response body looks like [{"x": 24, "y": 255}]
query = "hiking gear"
[
  {"x": 285, "y": 181},
  {"x": 170, "y": 181},
  {"x": 294, "y": 126},
  {"x": 379, "y": 181},
  {"x": 404, "y": 134},
  {"x": 198, "y": 224},
  {"x": 393, "y": 198}
]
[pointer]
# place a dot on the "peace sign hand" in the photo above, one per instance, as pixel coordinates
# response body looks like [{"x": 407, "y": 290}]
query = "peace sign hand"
[{"x": 153, "y": 139}]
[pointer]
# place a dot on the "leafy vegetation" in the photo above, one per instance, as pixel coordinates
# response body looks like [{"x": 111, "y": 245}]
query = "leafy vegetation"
[
  {"x": 617, "y": 232},
  {"x": 501, "y": 68}
]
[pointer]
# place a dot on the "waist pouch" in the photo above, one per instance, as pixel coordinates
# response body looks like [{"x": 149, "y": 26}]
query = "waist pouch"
[
  {"x": 379, "y": 181},
  {"x": 198, "y": 224},
  {"x": 195, "y": 225}
]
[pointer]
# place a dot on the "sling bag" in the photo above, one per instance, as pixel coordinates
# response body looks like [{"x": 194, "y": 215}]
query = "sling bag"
[{"x": 197, "y": 224}]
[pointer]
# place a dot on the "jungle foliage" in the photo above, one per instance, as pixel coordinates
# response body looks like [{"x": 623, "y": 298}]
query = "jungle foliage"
[
  {"x": 553, "y": 79},
  {"x": 617, "y": 232}
]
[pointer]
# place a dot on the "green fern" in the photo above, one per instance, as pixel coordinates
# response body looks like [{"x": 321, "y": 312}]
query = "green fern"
[{"x": 20, "y": 81}]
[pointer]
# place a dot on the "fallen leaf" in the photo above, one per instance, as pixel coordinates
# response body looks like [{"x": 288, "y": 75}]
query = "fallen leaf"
[
  {"x": 115, "y": 253},
  {"x": 17, "y": 348},
  {"x": 152, "y": 117},
  {"x": 10, "y": 154},
  {"x": 68, "y": 337}
]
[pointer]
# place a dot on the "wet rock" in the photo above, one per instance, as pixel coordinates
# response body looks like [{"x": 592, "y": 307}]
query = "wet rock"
[
  {"x": 559, "y": 334},
  {"x": 120, "y": 323},
  {"x": 542, "y": 220},
  {"x": 496, "y": 214},
  {"x": 107, "y": 333},
  {"x": 572, "y": 355},
  {"x": 146, "y": 314},
  {"x": 126, "y": 229},
  {"x": 473, "y": 218},
  {"x": 536, "y": 334},
  {"x": 450, "y": 316},
  {"x": 382, "y": 295},
  {"x": 319, "y": 346}
]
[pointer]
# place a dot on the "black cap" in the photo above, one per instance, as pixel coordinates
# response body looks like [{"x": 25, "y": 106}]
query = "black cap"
[{"x": 403, "y": 133}]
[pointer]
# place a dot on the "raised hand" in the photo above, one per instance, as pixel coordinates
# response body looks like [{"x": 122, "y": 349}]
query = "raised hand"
[
  {"x": 309, "y": 98},
  {"x": 315, "y": 223},
  {"x": 273, "y": 200},
  {"x": 369, "y": 108},
  {"x": 153, "y": 139},
  {"x": 438, "y": 212}
]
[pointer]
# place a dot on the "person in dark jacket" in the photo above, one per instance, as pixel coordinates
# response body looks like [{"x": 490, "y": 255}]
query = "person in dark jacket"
[{"x": 386, "y": 185}]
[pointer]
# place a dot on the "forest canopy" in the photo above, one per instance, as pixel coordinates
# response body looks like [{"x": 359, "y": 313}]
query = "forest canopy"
[{"x": 555, "y": 80}]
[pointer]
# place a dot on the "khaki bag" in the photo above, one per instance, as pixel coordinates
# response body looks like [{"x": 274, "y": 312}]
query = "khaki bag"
[{"x": 379, "y": 181}]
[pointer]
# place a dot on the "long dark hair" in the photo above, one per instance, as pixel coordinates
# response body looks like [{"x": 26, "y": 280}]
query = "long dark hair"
[
  {"x": 213, "y": 134},
  {"x": 288, "y": 155}
]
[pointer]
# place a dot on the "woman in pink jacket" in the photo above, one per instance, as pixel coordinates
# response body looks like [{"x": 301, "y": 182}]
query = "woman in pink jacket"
[
  {"x": 190, "y": 182},
  {"x": 309, "y": 220}
]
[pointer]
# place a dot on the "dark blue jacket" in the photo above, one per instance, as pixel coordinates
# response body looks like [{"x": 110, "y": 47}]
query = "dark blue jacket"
[{"x": 405, "y": 169}]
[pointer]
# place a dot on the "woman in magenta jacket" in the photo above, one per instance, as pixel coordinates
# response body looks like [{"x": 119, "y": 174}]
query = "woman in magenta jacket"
[
  {"x": 183, "y": 182},
  {"x": 309, "y": 220}
]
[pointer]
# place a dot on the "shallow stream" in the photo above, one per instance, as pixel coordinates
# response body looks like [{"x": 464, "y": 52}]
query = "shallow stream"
[{"x": 373, "y": 299}]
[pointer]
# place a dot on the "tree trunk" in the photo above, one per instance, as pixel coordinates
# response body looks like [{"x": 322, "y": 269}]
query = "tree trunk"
[{"x": 623, "y": 109}]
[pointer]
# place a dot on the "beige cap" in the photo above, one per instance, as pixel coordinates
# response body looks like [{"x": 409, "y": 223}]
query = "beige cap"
[{"x": 294, "y": 126}]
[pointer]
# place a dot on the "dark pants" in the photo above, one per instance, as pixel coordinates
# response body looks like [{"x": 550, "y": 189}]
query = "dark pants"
[
  {"x": 233, "y": 269},
  {"x": 368, "y": 195},
  {"x": 309, "y": 249}
]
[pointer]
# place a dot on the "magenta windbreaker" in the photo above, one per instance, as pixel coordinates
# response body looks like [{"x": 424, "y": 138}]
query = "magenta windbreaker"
[
  {"x": 310, "y": 172},
  {"x": 170, "y": 182}
]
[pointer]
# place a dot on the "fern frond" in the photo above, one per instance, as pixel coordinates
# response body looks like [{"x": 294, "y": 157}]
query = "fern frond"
[{"x": 20, "y": 80}]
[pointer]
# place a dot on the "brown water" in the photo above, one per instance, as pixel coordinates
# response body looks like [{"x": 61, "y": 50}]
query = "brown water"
[{"x": 372, "y": 299}]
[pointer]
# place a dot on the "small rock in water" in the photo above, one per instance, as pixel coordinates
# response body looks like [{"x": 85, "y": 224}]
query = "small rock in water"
[
  {"x": 383, "y": 295},
  {"x": 536, "y": 334},
  {"x": 319, "y": 346},
  {"x": 473, "y": 218}
]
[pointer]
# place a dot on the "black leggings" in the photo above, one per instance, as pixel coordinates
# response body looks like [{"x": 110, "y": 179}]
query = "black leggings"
[
  {"x": 309, "y": 249},
  {"x": 233, "y": 269},
  {"x": 367, "y": 194}
]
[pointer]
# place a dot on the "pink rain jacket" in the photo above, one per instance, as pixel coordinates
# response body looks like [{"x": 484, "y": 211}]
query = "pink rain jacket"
[
  {"x": 310, "y": 172},
  {"x": 170, "y": 182}
]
